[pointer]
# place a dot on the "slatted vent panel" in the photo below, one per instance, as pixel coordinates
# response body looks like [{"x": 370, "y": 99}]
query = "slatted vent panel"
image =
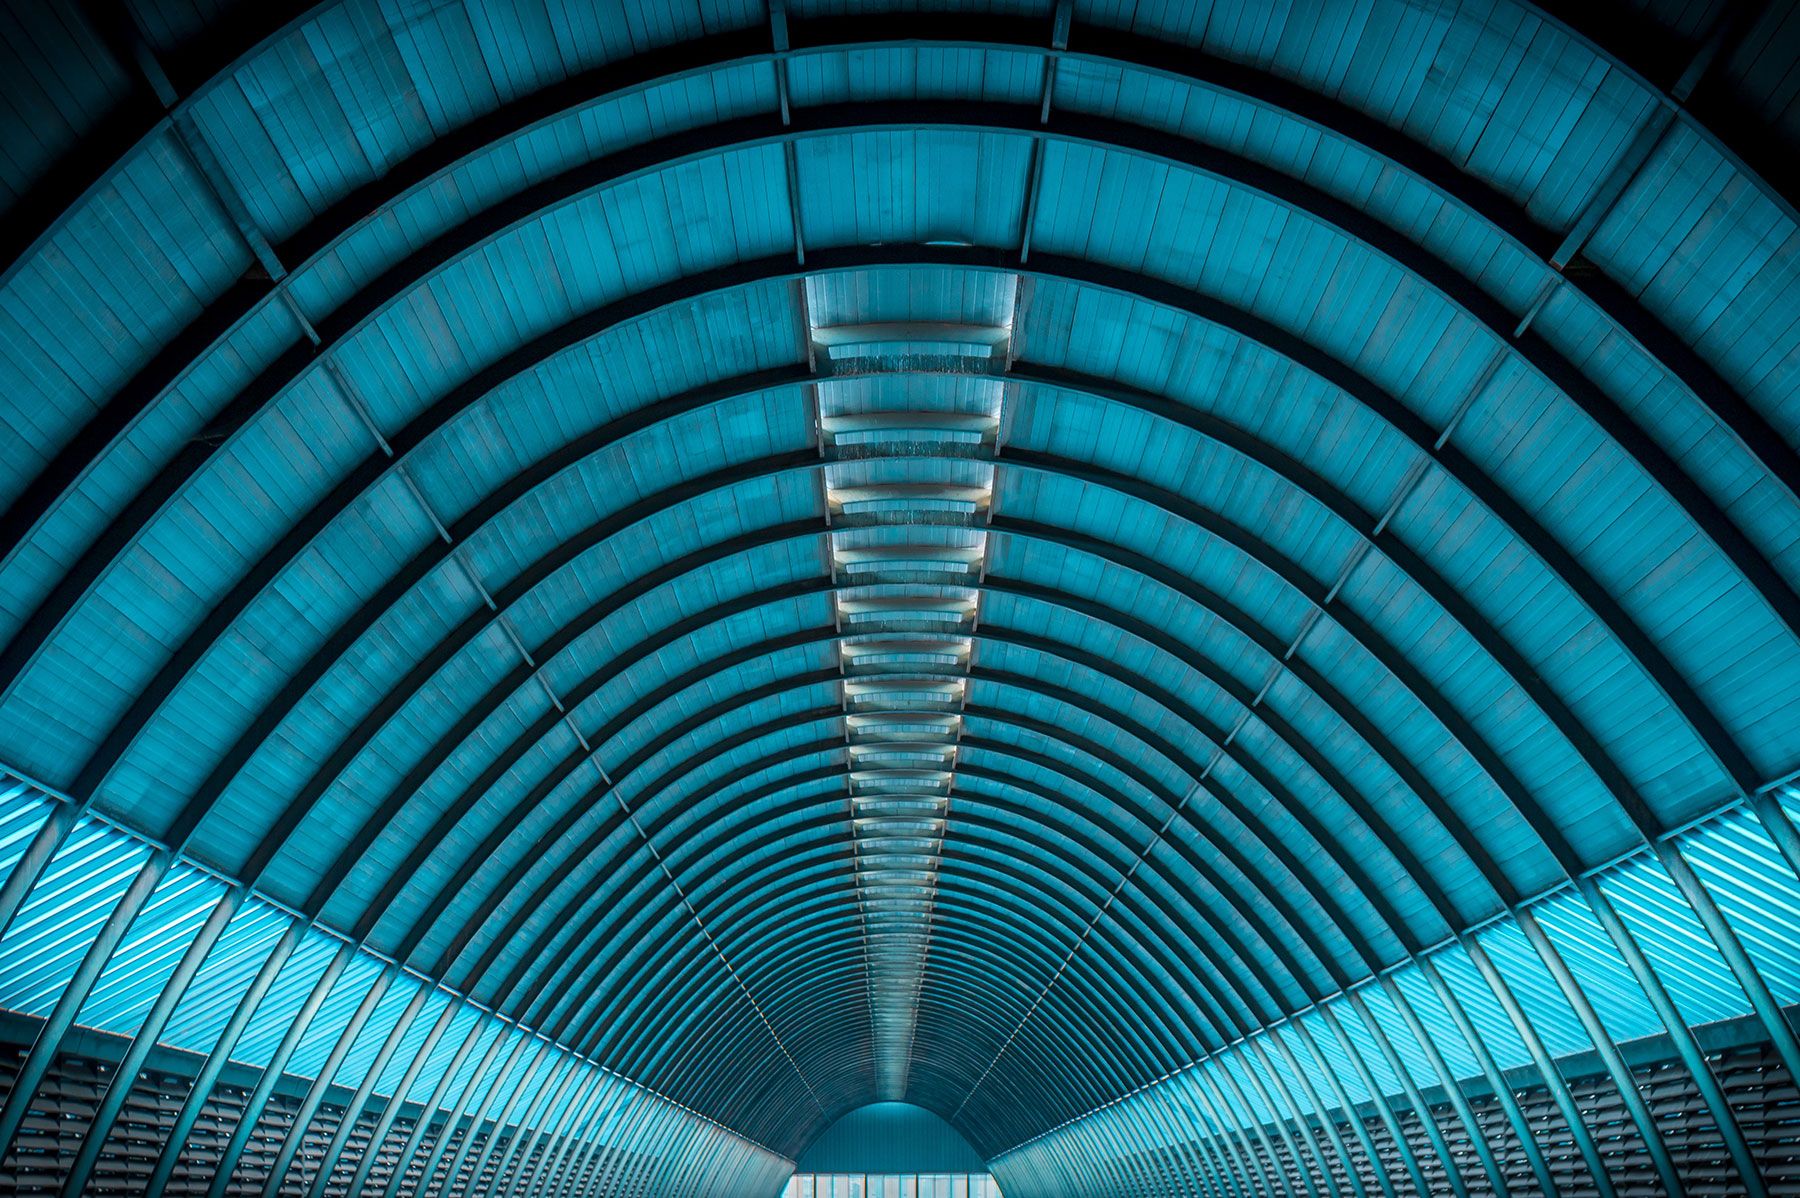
[
  {"x": 1765, "y": 1098},
  {"x": 66, "y": 1102}
]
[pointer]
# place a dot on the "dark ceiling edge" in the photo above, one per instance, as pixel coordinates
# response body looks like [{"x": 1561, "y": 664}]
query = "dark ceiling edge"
[{"x": 1652, "y": 56}]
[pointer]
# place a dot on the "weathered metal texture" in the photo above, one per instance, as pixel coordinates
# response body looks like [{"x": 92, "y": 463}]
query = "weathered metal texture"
[{"x": 1339, "y": 507}]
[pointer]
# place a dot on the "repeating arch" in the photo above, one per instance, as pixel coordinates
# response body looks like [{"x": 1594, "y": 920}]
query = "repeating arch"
[{"x": 1209, "y": 594}]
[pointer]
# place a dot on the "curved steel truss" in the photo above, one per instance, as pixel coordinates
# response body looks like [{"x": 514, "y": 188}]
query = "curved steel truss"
[{"x": 1207, "y": 593}]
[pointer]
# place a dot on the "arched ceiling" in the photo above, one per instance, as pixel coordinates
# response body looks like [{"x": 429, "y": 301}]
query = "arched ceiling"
[{"x": 834, "y": 554}]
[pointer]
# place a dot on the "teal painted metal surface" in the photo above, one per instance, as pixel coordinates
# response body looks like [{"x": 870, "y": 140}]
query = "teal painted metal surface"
[
  {"x": 681, "y": 568},
  {"x": 889, "y": 1137}
]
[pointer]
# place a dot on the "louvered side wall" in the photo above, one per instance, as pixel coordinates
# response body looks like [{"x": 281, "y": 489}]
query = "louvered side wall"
[{"x": 65, "y": 1104}]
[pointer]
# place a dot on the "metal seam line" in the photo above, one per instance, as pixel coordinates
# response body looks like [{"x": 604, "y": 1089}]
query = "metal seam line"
[
  {"x": 93, "y": 963},
  {"x": 149, "y": 1032},
  {"x": 315, "y": 1095},
  {"x": 353, "y": 1110},
  {"x": 199, "y": 1093},
  {"x": 265, "y": 1085}
]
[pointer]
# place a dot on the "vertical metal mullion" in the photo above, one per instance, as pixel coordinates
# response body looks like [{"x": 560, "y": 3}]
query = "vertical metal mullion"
[
  {"x": 1496, "y": 1080},
  {"x": 546, "y": 1133},
  {"x": 309, "y": 1106},
  {"x": 1774, "y": 818},
  {"x": 1357, "y": 1126},
  {"x": 454, "y": 1116},
  {"x": 1206, "y": 1141},
  {"x": 1553, "y": 1081},
  {"x": 24, "y": 875},
  {"x": 1465, "y": 1114},
  {"x": 1126, "y": 1162},
  {"x": 1233, "y": 1144},
  {"x": 1781, "y": 1033},
  {"x": 1187, "y": 1142},
  {"x": 1217, "y": 1140},
  {"x": 379, "y": 1133},
  {"x": 1147, "y": 1116},
  {"x": 107, "y": 1113},
  {"x": 544, "y": 1173},
  {"x": 1079, "y": 1159},
  {"x": 629, "y": 1116},
  {"x": 578, "y": 1135},
  {"x": 643, "y": 1179},
  {"x": 531, "y": 1116},
  {"x": 93, "y": 963},
  {"x": 1324, "y": 1113},
  {"x": 659, "y": 1164},
  {"x": 1152, "y": 1116},
  {"x": 353, "y": 1110},
  {"x": 216, "y": 1059},
  {"x": 600, "y": 1138},
  {"x": 1302, "y": 1129},
  {"x": 1681, "y": 1036},
  {"x": 265, "y": 1085},
  {"x": 684, "y": 1160},
  {"x": 703, "y": 1153},
  {"x": 1083, "y": 1160},
  {"x": 1427, "y": 1121},
  {"x": 1061, "y": 1162},
  {"x": 546, "y": 1051},
  {"x": 593, "y": 1145},
  {"x": 1257, "y": 1127},
  {"x": 1385, "y": 1112},
  {"x": 1615, "y": 1064},
  {"x": 1281, "y": 1124},
  {"x": 558, "y": 1154}
]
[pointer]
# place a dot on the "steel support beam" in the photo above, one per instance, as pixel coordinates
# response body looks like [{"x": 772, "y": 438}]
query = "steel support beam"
[
  {"x": 149, "y": 1032},
  {"x": 1616, "y": 1068},
  {"x": 385, "y": 1121},
  {"x": 62, "y": 1017},
  {"x": 265, "y": 1086},
  {"x": 216, "y": 1060},
  {"x": 354, "y": 1108},
  {"x": 1579, "y": 1131}
]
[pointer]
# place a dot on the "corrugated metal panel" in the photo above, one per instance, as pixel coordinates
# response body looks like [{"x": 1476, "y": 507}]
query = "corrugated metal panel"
[
  {"x": 1370, "y": 617},
  {"x": 53, "y": 929},
  {"x": 140, "y": 967}
]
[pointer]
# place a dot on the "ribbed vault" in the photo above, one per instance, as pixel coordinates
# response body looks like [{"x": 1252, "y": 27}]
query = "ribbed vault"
[{"x": 1208, "y": 592}]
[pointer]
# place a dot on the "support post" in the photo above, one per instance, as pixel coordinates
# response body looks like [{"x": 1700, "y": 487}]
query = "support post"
[
  {"x": 50, "y": 1037},
  {"x": 107, "y": 1113},
  {"x": 265, "y": 1085}
]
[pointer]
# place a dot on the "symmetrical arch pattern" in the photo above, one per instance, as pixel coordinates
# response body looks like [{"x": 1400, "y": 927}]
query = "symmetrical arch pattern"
[{"x": 1208, "y": 591}]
